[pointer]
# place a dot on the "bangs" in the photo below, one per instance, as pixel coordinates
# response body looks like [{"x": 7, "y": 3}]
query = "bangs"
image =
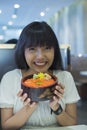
[{"x": 39, "y": 38}]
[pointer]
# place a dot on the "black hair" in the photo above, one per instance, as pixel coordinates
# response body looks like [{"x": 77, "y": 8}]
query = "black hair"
[{"x": 37, "y": 34}]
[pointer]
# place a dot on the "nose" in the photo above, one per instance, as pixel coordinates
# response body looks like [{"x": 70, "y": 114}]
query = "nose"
[{"x": 40, "y": 53}]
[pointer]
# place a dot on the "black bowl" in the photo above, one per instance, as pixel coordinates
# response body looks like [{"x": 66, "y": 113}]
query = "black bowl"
[{"x": 40, "y": 93}]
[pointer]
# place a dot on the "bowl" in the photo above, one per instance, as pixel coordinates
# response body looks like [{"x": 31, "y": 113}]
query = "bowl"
[{"x": 38, "y": 92}]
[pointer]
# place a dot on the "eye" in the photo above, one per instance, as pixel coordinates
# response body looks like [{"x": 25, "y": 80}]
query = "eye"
[
  {"x": 47, "y": 48},
  {"x": 31, "y": 49}
]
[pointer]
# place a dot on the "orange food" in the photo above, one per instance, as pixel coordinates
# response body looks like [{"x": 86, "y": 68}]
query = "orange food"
[{"x": 38, "y": 83}]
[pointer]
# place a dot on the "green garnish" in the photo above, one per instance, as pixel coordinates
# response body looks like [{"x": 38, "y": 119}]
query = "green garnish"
[
  {"x": 39, "y": 83},
  {"x": 35, "y": 76},
  {"x": 39, "y": 75}
]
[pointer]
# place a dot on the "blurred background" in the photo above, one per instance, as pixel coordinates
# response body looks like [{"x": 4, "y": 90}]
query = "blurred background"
[{"x": 68, "y": 18}]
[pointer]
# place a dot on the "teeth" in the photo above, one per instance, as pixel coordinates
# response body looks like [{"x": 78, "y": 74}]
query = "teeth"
[{"x": 39, "y": 63}]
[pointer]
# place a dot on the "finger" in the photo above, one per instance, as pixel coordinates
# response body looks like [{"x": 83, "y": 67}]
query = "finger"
[
  {"x": 55, "y": 99},
  {"x": 58, "y": 94},
  {"x": 33, "y": 104},
  {"x": 60, "y": 89},
  {"x": 54, "y": 102},
  {"x": 27, "y": 101},
  {"x": 20, "y": 93},
  {"x": 61, "y": 85},
  {"x": 23, "y": 98}
]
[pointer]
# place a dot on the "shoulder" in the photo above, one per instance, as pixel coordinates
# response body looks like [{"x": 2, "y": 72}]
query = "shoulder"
[
  {"x": 11, "y": 74},
  {"x": 64, "y": 77},
  {"x": 11, "y": 80},
  {"x": 63, "y": 74}
]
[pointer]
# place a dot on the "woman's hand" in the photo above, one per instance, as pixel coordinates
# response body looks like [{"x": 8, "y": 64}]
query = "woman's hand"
[
  {"x": 24, "y": 98},
  {"x": 58, "y": 91}
]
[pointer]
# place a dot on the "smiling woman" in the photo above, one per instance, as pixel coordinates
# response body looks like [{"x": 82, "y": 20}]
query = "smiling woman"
[{"x": 38, "y": 51}]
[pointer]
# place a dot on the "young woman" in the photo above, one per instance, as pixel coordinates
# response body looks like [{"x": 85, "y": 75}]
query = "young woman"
[{"x": 37, "y": 50}]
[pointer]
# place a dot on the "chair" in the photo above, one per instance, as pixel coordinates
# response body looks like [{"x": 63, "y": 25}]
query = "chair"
[
  {"x": 66, "y": 57},
  {"x": 7, "y": 59},
  {"x": 80, "y": 64}
]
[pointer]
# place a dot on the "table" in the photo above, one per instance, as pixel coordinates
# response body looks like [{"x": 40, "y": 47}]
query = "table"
[
  {"x": 78, "y": 127},
  {"x": 75, "y": 127}
]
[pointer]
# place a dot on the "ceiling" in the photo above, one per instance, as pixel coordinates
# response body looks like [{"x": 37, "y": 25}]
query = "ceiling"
[{"x": 28, "y": 11}]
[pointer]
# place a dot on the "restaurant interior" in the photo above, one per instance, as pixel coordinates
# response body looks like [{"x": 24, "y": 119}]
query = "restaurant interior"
[{"x": 69, "y": 22}]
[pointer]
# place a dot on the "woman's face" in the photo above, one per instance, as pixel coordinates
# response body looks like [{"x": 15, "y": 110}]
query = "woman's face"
[{"x": 39, "y": 59}]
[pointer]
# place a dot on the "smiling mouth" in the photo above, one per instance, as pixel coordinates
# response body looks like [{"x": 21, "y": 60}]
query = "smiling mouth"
[{"x": 40, "y": 63}]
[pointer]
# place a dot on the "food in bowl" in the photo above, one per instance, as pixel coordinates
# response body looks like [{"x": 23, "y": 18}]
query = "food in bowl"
[{"x": 39, "y": 87}]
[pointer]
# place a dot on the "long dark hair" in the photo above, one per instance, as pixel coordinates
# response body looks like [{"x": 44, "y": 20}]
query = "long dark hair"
[{"x": 37, "y": 34}]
